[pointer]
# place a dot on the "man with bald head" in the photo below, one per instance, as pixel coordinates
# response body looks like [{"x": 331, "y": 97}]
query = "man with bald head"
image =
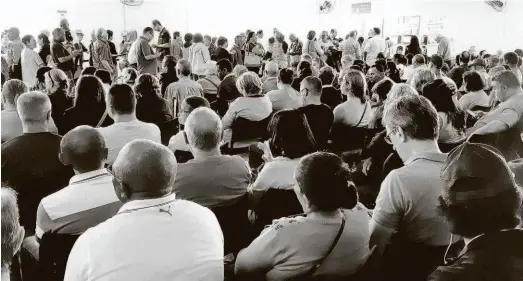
[
  {"x": 270, "y": 81},
  {"x": 177, "y": 92},
  {"x": 89, "y": 199},
  {"x": 30, "y": 163},
  {"x": 155, "y": 235}
]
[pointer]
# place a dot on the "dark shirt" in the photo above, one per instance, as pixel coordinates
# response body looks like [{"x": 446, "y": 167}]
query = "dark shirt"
[
  {"x": 331, "y": 97},
  {"x": 285, "y": 47},
  {"x": 112, "y": 49},
  {"x": 166, "y": 78},
  {"x": 221, "y": 53},
  {"x": 59, "y": 104},
  {"x": 456, "y": 74},
  {"x": 412, "y": 50},
  {"x": 58, "y": 51},
  {"x": 492, "y": 256},
  {"x": 44, "y": 52},
  {"x": 296, "y": 83},
  {"x": 87, "y": 115},
  {"x": 153, "y": 109},
  {"x": 320, "y": 118},
  {"x": 164, "y": 37},
  {"x": 227, "y": 90},
  {"x": 31, "y": 167}
]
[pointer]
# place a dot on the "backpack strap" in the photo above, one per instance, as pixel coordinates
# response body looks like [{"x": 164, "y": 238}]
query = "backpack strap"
[{"x": 214, "y": 84}]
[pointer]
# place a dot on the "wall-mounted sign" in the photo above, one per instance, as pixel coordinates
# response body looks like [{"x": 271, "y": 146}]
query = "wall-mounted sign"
[{"x": 361, "y": 8}]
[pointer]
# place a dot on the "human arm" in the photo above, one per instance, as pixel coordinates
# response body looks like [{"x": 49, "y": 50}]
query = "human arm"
[
  {"x": 339, "y": 115},
  {"x": 259, "y": 257},
  {"x": 230, "y": 116},
  {"x": 507, "y": 119},
  {"x": 147, "y": 51},
  {"x": 319, "y": 50}
]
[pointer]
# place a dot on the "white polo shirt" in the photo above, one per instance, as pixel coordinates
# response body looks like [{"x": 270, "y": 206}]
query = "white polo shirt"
[{"x": 162, "y": 239}]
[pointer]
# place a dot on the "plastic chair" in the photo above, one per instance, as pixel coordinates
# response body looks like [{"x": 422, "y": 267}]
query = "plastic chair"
[
  {"x": 54, "y": 252},
  {"x": 244, "y": 130}
]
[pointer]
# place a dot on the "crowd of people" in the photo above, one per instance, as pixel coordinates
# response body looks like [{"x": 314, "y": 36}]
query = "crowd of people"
[{"x": 187, "y": 159}]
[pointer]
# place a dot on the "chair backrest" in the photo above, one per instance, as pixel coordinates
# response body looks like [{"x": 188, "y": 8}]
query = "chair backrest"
[
  {"x": 169, "y": 129},
  {"x": 348, "y": 138},
  {"x": 235, "y": 224},
  {"x": 275, "y": 204},
  {"x": 244, "y": 129},
  {"x": 54, "y": 251},
  {"x": 183, "y": 156}
]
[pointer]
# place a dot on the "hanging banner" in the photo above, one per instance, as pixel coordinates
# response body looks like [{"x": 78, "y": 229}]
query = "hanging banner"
[{"x": 361, "y": 8}]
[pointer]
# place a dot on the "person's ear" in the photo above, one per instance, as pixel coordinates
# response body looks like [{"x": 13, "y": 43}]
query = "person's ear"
[
  {"x": 401, "y": 134},
  {"x": 63, "y": 158},
  {"x": 185, "y": 138},
  {"x": 48, "y": 117}
]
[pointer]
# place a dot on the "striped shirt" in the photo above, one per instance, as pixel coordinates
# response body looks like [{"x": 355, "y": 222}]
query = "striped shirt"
[
  {"x": 87, "y": 201},
  {"x": 352, "y": 47},
  {"x": 102, "y": 53}
]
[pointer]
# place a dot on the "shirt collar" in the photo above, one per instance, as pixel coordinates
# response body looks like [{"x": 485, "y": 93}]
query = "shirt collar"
[
  {"x": 146, "y": 203},
  {"x": 327, "y": 86},
  {"x": 271, "y": 78},
  {"x": 87, "y": 176},
  {"x": 431, "y": 156}
]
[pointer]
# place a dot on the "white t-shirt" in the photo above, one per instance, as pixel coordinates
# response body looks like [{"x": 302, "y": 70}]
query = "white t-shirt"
[
  {"x": 31, "y": 61},
  {"x": 131, "y": 56},
  {"x": 471, "y": 99},
  {"x": 121, "y": 133},
  {"x": 177, "y": 142},
  {"x": 277, "y": 174},
  {"x": 373, "y": 47},
  {"x": 162, "y": 239}
]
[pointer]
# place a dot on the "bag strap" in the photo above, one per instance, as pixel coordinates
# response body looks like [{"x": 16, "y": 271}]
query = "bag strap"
[
  {"x": 102, "y": 119},
  {"x": 214, "y": 84},
  {"x": 333, "y": 245},
  {"x": 365, "y": 110}
]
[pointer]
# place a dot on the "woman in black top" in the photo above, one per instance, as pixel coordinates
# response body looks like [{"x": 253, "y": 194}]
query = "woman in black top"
[
  {"x": 45, "y": 47},
  {"x": 414, "y": 47},
  {"x": 392, "y": 72},
  {"x": 221, "y": 52},
  {"x": 57, "y": 87},
  {"x": 150, "y": 107},
  {"x": 89, "y": 106},
  {"x": 168, "y": 74},
  {"x": 304, "y": 70}
]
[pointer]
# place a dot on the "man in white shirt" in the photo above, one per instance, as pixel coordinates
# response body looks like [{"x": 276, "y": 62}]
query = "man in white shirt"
[
  {"x": 154, "y": 236},
  {"x": 30, "y": 60},
  {"x": 176, "y": 92},
  {"x": 374, "y": 46},
  {"x": 121, "y": 104}
]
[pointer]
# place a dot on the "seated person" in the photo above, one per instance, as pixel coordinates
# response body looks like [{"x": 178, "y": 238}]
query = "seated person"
[
  {"x": 11, "y": 123},
  {"x": 270, "y": 81},
  {"x": 290, "y": 139},
  {"x": 475, "y": 95},
  {"x": 30, "y": 164},
  {"x": 211, "y": 82},
  {"x": 319, "y": 116},
  {"x": 285, "y": 97},
  {"x": 252, "y": 106},
  {"x": 177, "y": 142},
  {"x": 379, "y": 94},
  {"x": 296, "y": 246},
  {"x": 185, "y": 87},
  {"x": 482, "y": 204},
  {"x": 121, "y": 104},
  {"x": 12, "y": 232},
  {"x": 227, "y": 90},
  {"x": 329, "y": 95},
  {"x": 210, "y": 179},
  {"x": 67, "y": 211},
  {"x": 150, "y": 106},
  {"x": 356, "y": 111}
]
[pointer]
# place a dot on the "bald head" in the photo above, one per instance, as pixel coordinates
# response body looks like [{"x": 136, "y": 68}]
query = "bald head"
[
  {"x": 204, "y": 129},
  {"x": 272, "y": 68},
  {"x": 146, "y": 167},
  {"x": 34, "y": 108},
  {"x": 313, "y": 86},
  {"x": 84, "y": 149}
]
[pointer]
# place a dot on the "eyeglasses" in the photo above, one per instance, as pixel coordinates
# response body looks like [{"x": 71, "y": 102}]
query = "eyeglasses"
[
  {"x": 387, "y": 137},
  {"x": 304, "y": 92},
  {"x": 111, "y": 172}
]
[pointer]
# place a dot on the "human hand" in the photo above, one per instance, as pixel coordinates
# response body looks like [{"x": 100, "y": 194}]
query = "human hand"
[
  {"x": 75, "y": 53},
  {"x": 366, "y": 166}
]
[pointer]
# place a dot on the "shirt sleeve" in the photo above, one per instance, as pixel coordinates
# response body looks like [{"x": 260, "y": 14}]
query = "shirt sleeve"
[
  {"x": 230, "y": 115},
  {"x": 465, "y": 103},
  {"x": 265, "y": 178},
  {"x": 43, "y": 222},
  {"x": 78, "y": 263},
  {"x": 145, "y": 48},
  {"x": 261, "y": 254},
  {"x": 338, "y": 115},
  {"x": 390, "y": 205},
  {"x": 509, "y": 116}
]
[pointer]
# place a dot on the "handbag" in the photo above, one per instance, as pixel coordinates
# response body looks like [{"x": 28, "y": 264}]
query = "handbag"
[
  {"x": 307, "y": 276},
  {"x": 252, "y": 60}
]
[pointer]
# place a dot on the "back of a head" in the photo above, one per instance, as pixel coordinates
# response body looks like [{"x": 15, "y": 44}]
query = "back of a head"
[
  {"x": 187, "y": 37},
  {"x": 511, "y": 59},
  {"x": 88, "y": 92},
  {"x": 147, "y": 167},
  {"x": 440, "y": 95},
  {"x": 311, "y": 35},
  {"x": 314, "y": 85},
  {"x": 400, "y": 90},
  {"x": 26, "y": 39},
  {"x": 40, "y": 73},
  {"x": 12, "y": 89},
  {"x": 508, "y": 79},
  {"x": 286, "y": 76},
  {"x": 495, "y": 70},
  {"x": 239, "y": 70},
  {"x": 84, "y": 149},
  {"x": 34, "y": 108},
  {"x": 13, "y": 33},
  {"x": 170, "y": 63},
  {"x": 90, "y": 70},
  {"x": 249, "y": 84},
  {"x": 382, "y": 88},
  {"x": 326, "y": 75},
  {"x": 121, "y": 99},
  {"x": 12, "y": 232},
  {"x": 421, "y": 77},
  {"x": 198, "y": 38},
  {"x": 418, "y": 59},
  {"x": 104, "y": 76},
  {"x": 148, "y": 30},
  {"x": 147, "y": 85},
  {"x": 129, "y": 75},
  {"x": 224, "y": 64},
  {"x": 473, "y": 81},
  {"x": 221, "y": 41},
  {"x": 317, "y": 168},
  {"x": 415, "y": 115},
  {"x": 184, "y": 67},
  {"x": 291, "y": 135},
  {"x": 55, "y": 77},
  {"x": 347, "y": 60},
  {"x": 156, "y": 22},
  {"x": 377, "y": 30},
  {"x": 464, "y": 57},
  {"x": 304, "y": 69},
  {"x": 354, "y": 83},
  {"x": 204, "y": 129},
  {"x": 195, "y": 102},
  {"x": 272, "y": 68}
]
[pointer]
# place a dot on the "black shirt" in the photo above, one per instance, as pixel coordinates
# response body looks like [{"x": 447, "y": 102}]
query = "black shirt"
[
  {"x": 320, "y": 118},
  {"x": 153, "y": 109},
  {"x": 331, "y": 97},
  {"x": 164, "y": 37},
  {"x": 456, "y": 74},
  {"x": 59, "y": 104},
  {"x": 87, "y": 115},
  {"x": 58, "y": 51},
  {"x": 221, "y": 53},
  {"x": 227, "y": 90},
  {"x": 44, "y": 52},
  {"x": 112, "y": 49},
  {"x": 166, "y": 78},
  {"x": 31, "y": 167}
]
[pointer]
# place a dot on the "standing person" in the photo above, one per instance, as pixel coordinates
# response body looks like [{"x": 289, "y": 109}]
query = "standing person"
[
  {"x": 279, "y": 52},
  {"x": 150, "y": 106},
  {"x": 373, "y": 46},
  {"x": 285, "y": 97},
  {"x": 163, "y": 46},
  {"x": 207, "y": 41},
  {"x": 296, "y": 48},
  {"x": 112, "y": 46},
  {"x": 186, "y": 50},
  {"x": 188, "y": 241},
  {"x": 14, "y": 53},
  {"x": 79, "y": 61},
  {"x": 352, "y": 47},
  {"x": 61, "y": 57},
  {"x": 133, "y": 43},
  {"x": 30, "y": 163},
  {"x": 102, "y": 58},
  {"x": 253, "y": 54},
  {"x": 413, "y": 47},
  {"x": 176, "y": 46},
  {"x": 45, "y": 48},
  {"x": 444, "y": 49},
  {"x": 30, "y": 61},
  {"x": 236, "y": 51},
  {"x": 221, "y": 51},
  {"x": 199, "y": 55},
  {"x": 312, "y": 47},
  {"x": 146, "y": 59}
]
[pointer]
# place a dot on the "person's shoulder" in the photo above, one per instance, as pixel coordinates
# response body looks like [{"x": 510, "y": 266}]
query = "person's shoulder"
[{"x": 285, "y": 224}]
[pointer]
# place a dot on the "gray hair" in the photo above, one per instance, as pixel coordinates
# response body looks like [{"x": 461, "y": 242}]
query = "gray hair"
[
  {"x": 56, "y": 77},
  {"x": 418, "y": 124},
  {"x": 204, "y": 129},
  {"x": 12, "y": 89},
  {"x": 132, "y": 35},
  {"x": 101, "y": 33},
  {"x": 184, "y": 67},
  {"x": 210, "y": 68},
  {"x": 400, "y": 90},
  {"x": 34, "y": 107},
  {"x": 421, "y": 77},
  {"x": 272, "y": 68},
  {"x": 249, "y": 84},
  {"x": 239, "y": 70},
  {"x": 10, "y": 226}
]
